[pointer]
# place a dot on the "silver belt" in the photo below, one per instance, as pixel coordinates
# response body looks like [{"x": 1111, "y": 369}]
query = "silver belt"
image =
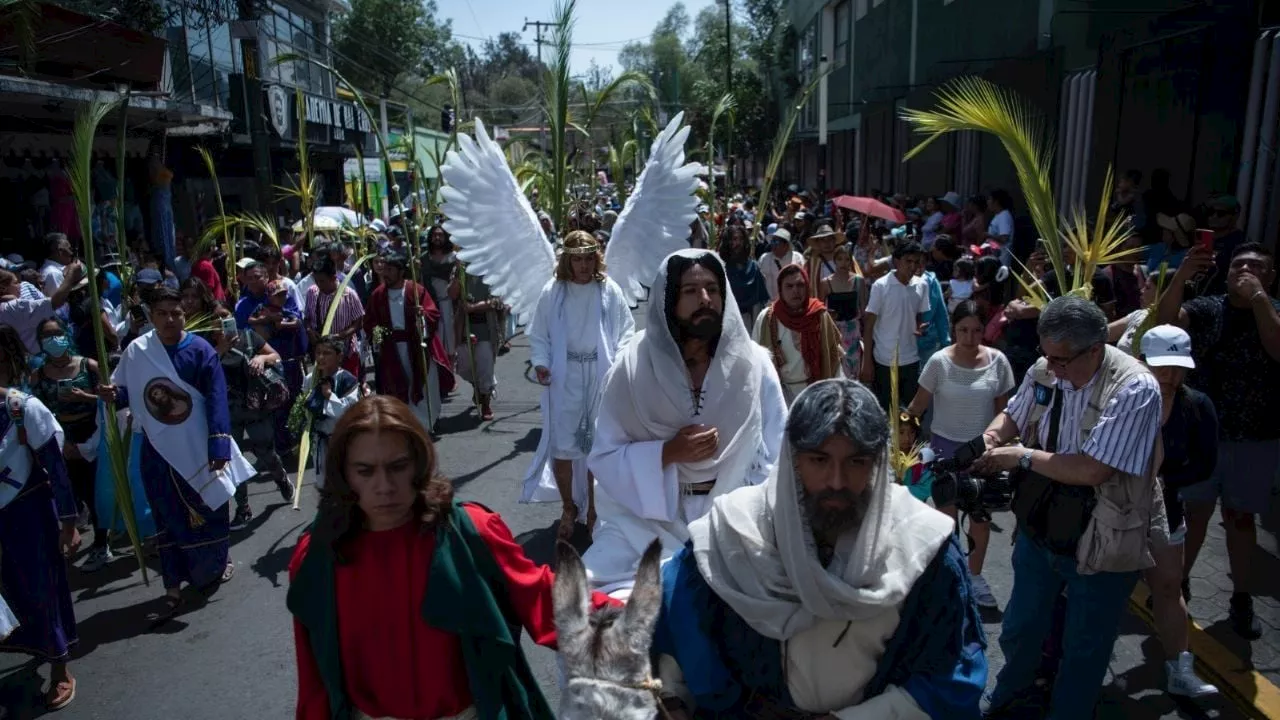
[{"x": 583, "y": 357}]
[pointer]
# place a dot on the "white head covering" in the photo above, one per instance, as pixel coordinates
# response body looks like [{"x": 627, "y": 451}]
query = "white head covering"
[
  {"x": 659, "y": 388},
  {"x": 756, "y": 549}
]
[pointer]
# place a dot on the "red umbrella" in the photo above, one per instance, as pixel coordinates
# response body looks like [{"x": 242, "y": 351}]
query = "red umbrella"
[{"x": 870, "y": 206}]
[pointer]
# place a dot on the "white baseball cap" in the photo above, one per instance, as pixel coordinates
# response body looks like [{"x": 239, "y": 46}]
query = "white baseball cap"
[{"x": 1167, "y": 346}]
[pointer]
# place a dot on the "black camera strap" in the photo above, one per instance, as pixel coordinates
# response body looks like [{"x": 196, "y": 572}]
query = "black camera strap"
[{"x": 1055, "y": 421}]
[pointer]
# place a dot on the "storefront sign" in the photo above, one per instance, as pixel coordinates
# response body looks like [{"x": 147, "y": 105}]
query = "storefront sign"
[
  {"x": 336, "y": 116},
  {"x": 372, "y": 170}
]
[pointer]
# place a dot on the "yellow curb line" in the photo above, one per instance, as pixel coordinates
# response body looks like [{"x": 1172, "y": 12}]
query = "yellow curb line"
[{"x": 1247, "y": 688}]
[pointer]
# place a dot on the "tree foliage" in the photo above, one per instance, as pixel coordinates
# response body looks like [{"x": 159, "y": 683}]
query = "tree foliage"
[{"x": 389, "y": 39}]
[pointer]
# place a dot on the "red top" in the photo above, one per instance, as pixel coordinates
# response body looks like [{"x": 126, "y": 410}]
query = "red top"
[
  {"x": 203, "y": 269},
  {"x": 395, "y": 665}
]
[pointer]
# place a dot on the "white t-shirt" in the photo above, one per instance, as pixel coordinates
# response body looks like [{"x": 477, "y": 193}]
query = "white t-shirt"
[
  {"x": 771, "y": 266},
  {"x": 25, "y": 316},
  {"x": 897, "y": 307},
  {"x": 51, "y": 274},
  {"x": 964, "y": 398}
]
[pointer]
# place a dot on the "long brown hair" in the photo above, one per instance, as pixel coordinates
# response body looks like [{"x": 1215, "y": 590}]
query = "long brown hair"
[
  {"x": 340, "y": 519},
  {"x": 579, "y": 239}
]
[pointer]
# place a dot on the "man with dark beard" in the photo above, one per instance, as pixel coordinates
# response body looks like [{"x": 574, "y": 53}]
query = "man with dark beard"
[
  {"x": 828, "y": 592},
  {"x": 690, "y": 410}
]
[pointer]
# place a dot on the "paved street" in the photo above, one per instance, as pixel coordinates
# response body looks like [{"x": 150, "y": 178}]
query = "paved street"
[{"x": 233, "y": 658}]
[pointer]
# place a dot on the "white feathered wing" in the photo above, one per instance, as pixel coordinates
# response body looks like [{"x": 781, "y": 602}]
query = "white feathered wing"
[
  {"x": 493, "y": 224},
  {"x": 655, "y": 222}
]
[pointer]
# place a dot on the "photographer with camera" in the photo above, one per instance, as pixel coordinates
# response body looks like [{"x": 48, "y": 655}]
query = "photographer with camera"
[
  {"x": 967, "y": 384},
  {"x": 1084, "y": 493}
]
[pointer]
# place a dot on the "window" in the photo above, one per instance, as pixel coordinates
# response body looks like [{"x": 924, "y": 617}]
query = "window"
[
  {"x": 843, "y": 28},
  {"x": 806, "y": 65},
  {"x": 287, "y": 31}
]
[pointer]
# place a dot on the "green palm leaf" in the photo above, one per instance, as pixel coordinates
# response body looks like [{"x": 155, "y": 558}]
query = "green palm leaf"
[
  {"x": 304, "y": 445},
  {"x": 223, "y": 226},
  {"x": 86, "y": 126},
  {"x": 726, "y": 105},
  {"x": 780, "y": 142},
  {"x": 976, "y": 104}
]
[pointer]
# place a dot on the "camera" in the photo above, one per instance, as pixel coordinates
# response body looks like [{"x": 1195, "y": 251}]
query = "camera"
[{"x": 973, "y": 495}]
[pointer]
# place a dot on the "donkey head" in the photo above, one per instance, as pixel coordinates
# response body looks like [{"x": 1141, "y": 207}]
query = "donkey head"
[{"x": 606, "y": 653}]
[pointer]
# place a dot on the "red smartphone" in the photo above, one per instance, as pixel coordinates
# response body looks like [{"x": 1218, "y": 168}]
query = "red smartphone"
[{"x": 1205, "y": 238}]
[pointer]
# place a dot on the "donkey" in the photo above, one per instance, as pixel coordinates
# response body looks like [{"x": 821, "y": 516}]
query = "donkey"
[{"x": 606, "y": 652}]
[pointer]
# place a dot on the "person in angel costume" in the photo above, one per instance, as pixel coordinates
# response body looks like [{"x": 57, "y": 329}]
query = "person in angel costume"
[
  {"x": 581, "y": 321},
  {"x": 578, "y": 318},
  {"x": 691, "y": 411}
]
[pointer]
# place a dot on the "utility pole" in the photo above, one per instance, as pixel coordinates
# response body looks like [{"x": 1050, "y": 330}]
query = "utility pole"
[{"x": 537, "y": 26}]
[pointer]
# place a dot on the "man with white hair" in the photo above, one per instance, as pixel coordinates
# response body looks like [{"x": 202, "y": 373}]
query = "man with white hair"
[
  {"x": 690, "y": 410},
  {"x": 832, "y": 591}
]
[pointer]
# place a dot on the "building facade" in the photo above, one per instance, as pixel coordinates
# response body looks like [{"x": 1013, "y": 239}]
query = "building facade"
[{"x": 1153, "y": 85}]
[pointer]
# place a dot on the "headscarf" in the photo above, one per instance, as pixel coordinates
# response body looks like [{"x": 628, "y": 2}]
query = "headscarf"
[
  {"x": 651, "y": 377},
  {"x": 756, "y": 548},
  {"x": 807, "y": 322}
]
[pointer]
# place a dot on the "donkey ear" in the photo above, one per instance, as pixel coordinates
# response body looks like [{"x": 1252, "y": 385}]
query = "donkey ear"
[
  {"x": 570, "y": 596},
  {"x": 641, "y": 615}
]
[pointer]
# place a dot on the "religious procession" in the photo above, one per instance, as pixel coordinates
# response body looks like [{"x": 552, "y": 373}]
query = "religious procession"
[{"x": 551, "y": 430}]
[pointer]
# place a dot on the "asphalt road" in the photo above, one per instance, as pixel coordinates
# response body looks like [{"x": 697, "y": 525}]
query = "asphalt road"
[{"x": 233, "y": 658}]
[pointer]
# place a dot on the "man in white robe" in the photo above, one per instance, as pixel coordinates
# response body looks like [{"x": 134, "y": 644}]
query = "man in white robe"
[
  {"x": 691, "y": 410},
  {"x": 581, "y": 322},
  {"x": 844, "y": 596}
]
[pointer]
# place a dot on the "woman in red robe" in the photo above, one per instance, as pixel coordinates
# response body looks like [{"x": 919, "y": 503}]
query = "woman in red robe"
[{"x": 407, "y": 604}]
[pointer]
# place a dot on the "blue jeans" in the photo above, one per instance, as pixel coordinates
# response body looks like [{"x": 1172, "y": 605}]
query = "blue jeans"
[{"x": 1095, "y": 604}]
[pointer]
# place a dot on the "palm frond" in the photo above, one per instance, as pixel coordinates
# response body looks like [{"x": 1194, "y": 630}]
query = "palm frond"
[
  {"x": 86, "y": 126},
  {"x": 780, "y": 142},
  {"x": 202, "y": 322},
  {"x": 970, "y": 103},
  {"x": 264, "y": 225},
  {"x": 558, "y": 87},
  {"x": 1153, "y": 310},
  {"x": 1035, "y": 293},
  {"x": 1103, "y": 245},
  {"x": 726, "y": 104},
  {"x": 304, "y": 445},
  {"x": 222, "y": 213}
]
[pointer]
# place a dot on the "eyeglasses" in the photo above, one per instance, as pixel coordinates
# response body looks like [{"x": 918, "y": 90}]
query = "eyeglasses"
[{"x": 1062, "y": 362}]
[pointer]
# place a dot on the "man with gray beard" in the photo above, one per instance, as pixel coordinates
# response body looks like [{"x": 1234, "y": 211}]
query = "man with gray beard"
[{"x": 826, "y": 592}]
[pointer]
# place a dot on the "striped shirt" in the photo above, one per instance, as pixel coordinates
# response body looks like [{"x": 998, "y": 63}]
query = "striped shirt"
[
  {"x": 1126, "y": 431},
  {"x": 350, "y": 311}
]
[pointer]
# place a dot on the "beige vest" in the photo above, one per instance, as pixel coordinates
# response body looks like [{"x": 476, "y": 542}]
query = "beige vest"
[{"x": 1116, "y": 538}]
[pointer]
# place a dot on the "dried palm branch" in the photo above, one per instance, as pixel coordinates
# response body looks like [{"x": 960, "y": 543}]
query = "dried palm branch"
[
  {"x": 86, "y": 126},
  {"x": 780, "y": 142},
  {"x": 224, "y": 226},
  {"x": 304, "y": 443}
]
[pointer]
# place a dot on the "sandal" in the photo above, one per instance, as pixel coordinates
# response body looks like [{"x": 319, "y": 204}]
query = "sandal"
[
  {"x": 61, "y": 694},
  {"x": 228, "y": 572},
  {"x": 172, "y": 605},
  {"x": 568, "y": 518}
]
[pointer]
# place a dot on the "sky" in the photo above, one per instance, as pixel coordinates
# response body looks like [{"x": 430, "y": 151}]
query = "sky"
[{"x": 601, "y": 27}]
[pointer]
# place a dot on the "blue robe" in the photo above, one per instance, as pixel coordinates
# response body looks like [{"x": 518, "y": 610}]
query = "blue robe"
[
  {"x": 935, "y": 655},
  {"x": 193, "y": 539},
  {"x": 32, "y": 569}
]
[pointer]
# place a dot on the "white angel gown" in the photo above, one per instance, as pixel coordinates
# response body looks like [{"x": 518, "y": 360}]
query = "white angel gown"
[{"x": 576, "y": 333}]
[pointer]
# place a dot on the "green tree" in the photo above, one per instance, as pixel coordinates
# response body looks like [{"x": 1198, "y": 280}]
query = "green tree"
[{"x": 389, "y": 39}]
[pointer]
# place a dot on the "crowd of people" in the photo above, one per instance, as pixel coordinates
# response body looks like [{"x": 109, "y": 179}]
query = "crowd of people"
[{"x": 769, "y": 437}]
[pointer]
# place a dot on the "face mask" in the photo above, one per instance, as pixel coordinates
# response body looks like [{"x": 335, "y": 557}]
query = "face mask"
[{"x": 55, "y": 346}]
